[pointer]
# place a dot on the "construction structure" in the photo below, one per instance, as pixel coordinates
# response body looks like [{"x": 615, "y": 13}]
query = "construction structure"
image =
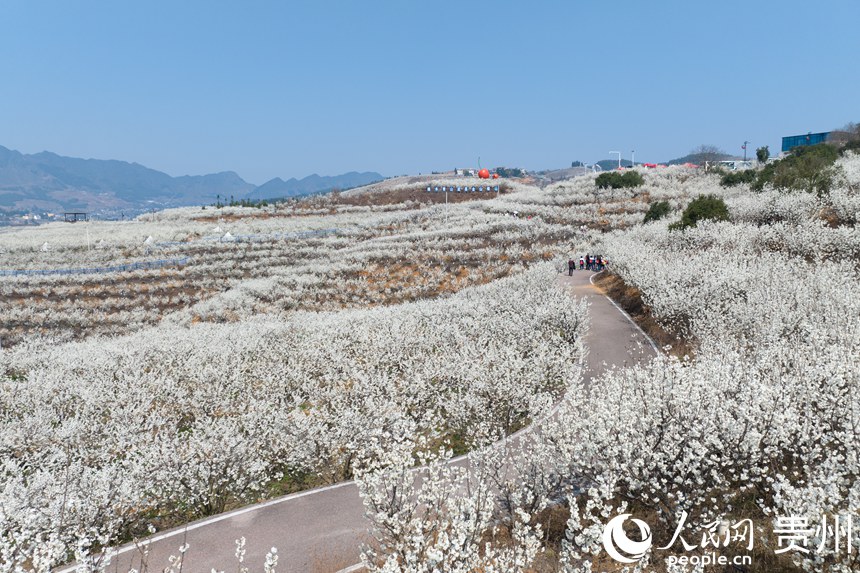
[
  {"x": 792, "y": 141},
  {"x": 75, "y": 216}
]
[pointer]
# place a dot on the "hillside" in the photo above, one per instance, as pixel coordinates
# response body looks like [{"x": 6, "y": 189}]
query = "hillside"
[
  {"x": 49, "y": 182},
  {"x": 701, "y": 158},
  {"x": 289, "y": 296}
]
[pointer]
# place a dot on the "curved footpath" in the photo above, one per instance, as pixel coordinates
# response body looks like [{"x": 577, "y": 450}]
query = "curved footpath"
[{"x": 320, "y": 530}]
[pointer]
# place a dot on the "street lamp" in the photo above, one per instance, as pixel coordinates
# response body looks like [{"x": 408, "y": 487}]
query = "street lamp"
[
  {"x": 619, "y": 157},
  {"x": 633, "y": 157}
]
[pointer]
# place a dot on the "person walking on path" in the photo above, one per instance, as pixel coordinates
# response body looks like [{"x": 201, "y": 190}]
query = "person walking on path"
[
  {"x": 581, "y": 262},
  {"x": 570, "y": 266}
]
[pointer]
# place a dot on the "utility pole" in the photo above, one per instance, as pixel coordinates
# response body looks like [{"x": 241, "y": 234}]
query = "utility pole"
[
  {"x": 619, "y": 157},
  {"x": 633, "y": 157},
  {"x": 745, "y": 150}
]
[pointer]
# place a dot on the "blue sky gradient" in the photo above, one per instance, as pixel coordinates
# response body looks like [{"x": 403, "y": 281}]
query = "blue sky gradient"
[{"x": 287, "y": 89}]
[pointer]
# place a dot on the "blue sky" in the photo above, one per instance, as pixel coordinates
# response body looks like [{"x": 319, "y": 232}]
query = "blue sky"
[{"x": 287, "y": 89}]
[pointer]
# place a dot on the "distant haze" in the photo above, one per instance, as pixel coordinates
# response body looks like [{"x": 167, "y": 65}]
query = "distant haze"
[{"x": 50, "y": 182}]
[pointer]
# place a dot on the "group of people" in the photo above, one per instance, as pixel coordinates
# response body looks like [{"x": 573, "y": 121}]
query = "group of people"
[{"x": 588, "y": 262}]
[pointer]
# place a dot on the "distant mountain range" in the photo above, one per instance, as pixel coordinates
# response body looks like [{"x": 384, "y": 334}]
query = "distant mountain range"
[
  {"x": 609, "y": 164},
  {"x": 49, "y": 182},
  {"x": 277, "y": 187}
]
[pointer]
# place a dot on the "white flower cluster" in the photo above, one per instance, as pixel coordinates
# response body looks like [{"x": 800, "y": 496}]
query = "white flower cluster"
[
  {"x": 99, "y": 436},
  {"x": 763, "y": 420},
  {"x": 367, "y": 259},
  {"x": 241, "y": 379},
  {"x": 769, "y": 408}
]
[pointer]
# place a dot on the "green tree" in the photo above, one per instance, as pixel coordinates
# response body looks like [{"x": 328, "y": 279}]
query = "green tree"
[
  {"x": 657, "y": 210},
  {"x": 808, "y": 168},
  {"x": 733, "y": 178},
  {"x": 701, "y": 208},
  {"x": 616, "y": 180},
  {"x": 632, "y": 179},
  {"x": 509, "y": 171},
  {"x": 762, "y": 154}
]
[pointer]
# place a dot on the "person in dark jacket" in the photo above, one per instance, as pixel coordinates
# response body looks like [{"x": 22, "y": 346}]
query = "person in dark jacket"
[{"x": 570, "y": 266}]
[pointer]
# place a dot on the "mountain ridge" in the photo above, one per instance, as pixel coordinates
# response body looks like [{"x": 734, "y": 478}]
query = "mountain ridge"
[
  {"x": 47, "y": 181},
  {"x": 277, "y": 187}
]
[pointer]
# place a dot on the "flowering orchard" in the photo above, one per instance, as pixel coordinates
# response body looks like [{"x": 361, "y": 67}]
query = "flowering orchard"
[
  {"x": 322, "y": 340},
  {"x": 104, "y": 436},
  {"x": 764, "y": 420},
  {"x": 372, "y": 258},
  {"x": 318, "y": 254},
  {"x": 758, "y": 429}
]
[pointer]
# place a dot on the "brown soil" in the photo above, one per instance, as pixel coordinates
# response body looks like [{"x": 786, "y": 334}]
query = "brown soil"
[
  {"x": 418, "y": 194},
  {"x": 630, "y": 299},
  {"x": 231, "y": 217}
]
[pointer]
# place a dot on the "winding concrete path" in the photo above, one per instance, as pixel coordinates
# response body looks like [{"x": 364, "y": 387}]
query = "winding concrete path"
[{"x": 320, "y": 530}]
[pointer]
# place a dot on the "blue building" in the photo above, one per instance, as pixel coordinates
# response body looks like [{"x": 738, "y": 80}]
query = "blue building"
[{"x": 792, "y": 141}]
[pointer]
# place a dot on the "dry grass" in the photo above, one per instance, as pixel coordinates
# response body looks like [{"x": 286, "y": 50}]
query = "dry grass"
[
  {"x": 397, "y": 282},
  {"x": 219, "y": 217}
]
